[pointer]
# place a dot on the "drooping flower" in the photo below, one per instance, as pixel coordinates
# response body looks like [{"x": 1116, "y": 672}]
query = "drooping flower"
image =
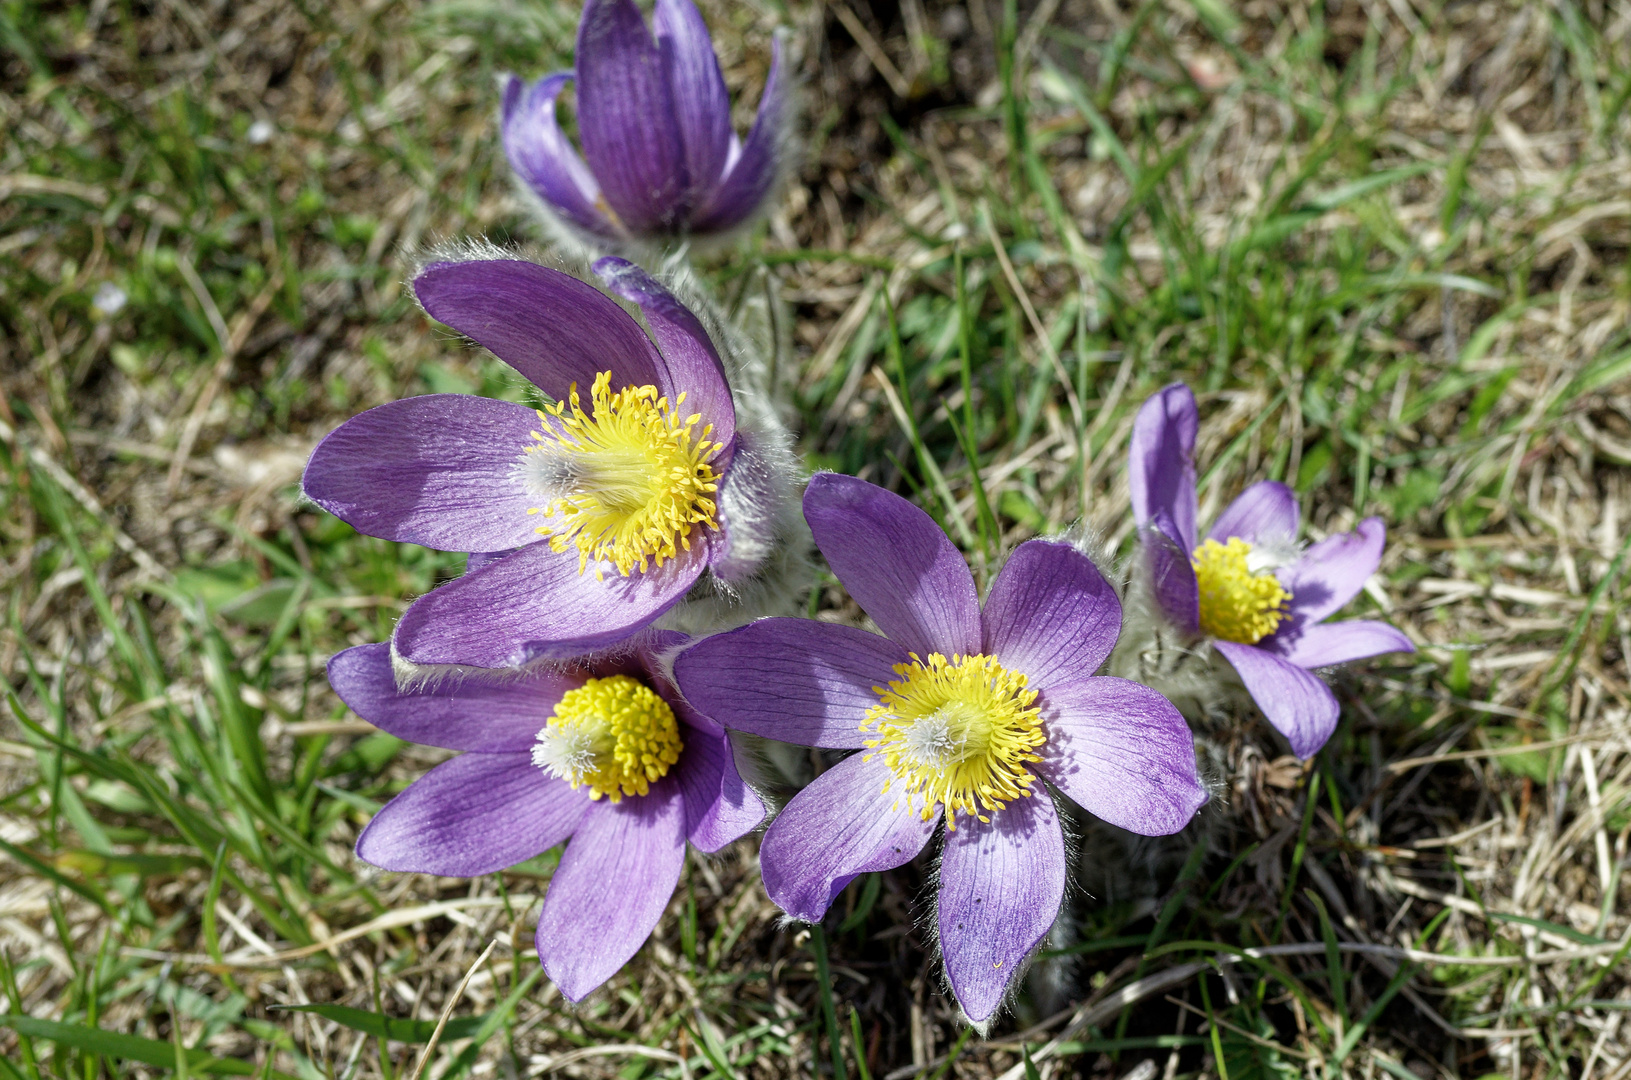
[
  {"x": 660, "y": 158},
  {"x": 596, "y": 514},
  {"x": 1247, "y": 588},
  {"x": 605, "y": 758},
  {"x": 958, "y": 714}
]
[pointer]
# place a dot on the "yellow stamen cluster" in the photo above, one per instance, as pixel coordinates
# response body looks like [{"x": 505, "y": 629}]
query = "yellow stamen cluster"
[
  {"x": 615, "y": 734},
  {"x": 629, "y": 484},
  {"x": 958, "y": 732},
  {"x": 1236, "y": 604}
]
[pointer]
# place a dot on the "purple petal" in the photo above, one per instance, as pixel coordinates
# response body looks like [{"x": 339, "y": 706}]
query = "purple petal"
[
  {"x": 719, "y": 807},
  {"x": 1324, "y": 644},
  {"x": 544, "y": 158},
  {"x": 626, "y": 118},
  {"x": 1000, "y": 888},
  {"x": 754, "y": 168},
  {"x": 1123, "y": 753},
  {"x": 702, "y": 105},
  {"x": 896, "y": 563},
  {"x": 552, "y": 328},
  {"x": 1051, "y": 614},
  {"x": 534, "y": 605},
  {"x": 1161, "y": 462},
  {"x": 476, "y": 560},
  {"x": 472, "y": 815},
  {"x": 794, "y": 680},
  {"x": 694, "y": 366},
  {"x": 1172, "y": 575},
  {"x": 437, "y": 470},
  {"x": 1331, "y": 572},
  {"x": 1299, "y": 705},
  {"x": 842, "y": 825},
  {"x": 612, "y": 886},
  {"x": 461, "y": 714},
  {"x": 1265, "y": 513}
]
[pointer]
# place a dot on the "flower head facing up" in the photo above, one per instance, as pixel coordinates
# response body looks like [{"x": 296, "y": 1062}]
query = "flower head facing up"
[
  {"x": 957, "y": 713},
  {"x": 660, "y": 159},
  {"x": 606, "y": 758},
  {"x": 605, "y": 511},
  {"x": 958, "y": 733},
  {"x": 1247, "y": 587},
  {"x": 616, "y": 736},
  {"x": 627, "y": 481},
  {"x": 1236, "y": 603}
]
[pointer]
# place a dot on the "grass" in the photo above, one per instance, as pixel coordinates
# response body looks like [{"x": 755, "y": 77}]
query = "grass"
[{"x": 1386, "y": 243}]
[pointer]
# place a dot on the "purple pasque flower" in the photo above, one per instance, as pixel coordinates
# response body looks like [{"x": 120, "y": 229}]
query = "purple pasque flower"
[
  {"x": 608, "y": 505},
  {"x": 604, "y": 757},
  {"x": 1247, "y": 587},
  {"x": 660, "y": 158},
  {"x": 959, "y": 713}
]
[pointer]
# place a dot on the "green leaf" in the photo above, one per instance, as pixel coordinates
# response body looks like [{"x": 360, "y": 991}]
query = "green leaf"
[
  {"x": 1599, "y": 373},
  {"x": 490, "y": 1024},
  {"x": 40, "y": 866},
  {"x": 389, "y": 1027},
  {"x": 93, "y": 1040},
  {"x": 1541, "y": 924},
  {"x": 95, "y": 864}
]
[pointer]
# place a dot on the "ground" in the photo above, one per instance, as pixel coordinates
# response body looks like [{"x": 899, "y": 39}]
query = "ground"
[{"x": 1386, "y": 243}]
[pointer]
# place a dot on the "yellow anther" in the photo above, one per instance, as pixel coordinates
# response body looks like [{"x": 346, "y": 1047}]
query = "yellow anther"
[
  {"x": 1236, "y": 604},
  {"x": 617, "y": 735},
  {"x": 957, "y": 732},
  {"x": 625, "y": 481}
]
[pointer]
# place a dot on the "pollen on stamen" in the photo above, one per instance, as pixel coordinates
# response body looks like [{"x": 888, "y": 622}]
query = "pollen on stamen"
[
  {"x": 624, "y": 483},
  {"x": 959, "y": 733},
  {"x": 615, "y": 735},
  {"x": 1237, "y": 603}
]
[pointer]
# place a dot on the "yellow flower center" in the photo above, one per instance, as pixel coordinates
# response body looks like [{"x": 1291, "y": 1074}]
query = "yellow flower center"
[
  {"x": 958, "y": 732},
  {"x": 614, "y": 734},
  {"x": 625, "y": 482},
  {"x": 1237, "y": 604}
]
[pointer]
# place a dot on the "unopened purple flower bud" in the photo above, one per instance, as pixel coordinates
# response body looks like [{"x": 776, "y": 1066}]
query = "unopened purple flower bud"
[{"x": 660, "y": 160}]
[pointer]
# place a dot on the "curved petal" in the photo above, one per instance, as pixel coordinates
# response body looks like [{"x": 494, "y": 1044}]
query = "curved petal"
[
  {"x": 612, "y": 886},
  {"x": 1123, "y": 753},
  {"x": 1324, "y": 644},
  {"x": 549, "y": 326},
  {"x": 534, "y": 605},
  {"x": 437, "y": 470},
  {"x": 461, "y": 714},
  {"x": 1265, "y": 513},
  {"x": 719, "y": 806},
  {"x": 794, "y": 680},
  {"x": 702, "y": 105},
  {"x": 626, "y": 118},
  {"x": 1331, "y": 572},
  {"x": 754, "y": 167},
  {"x": 1000, "y": 887},
  {"x": 542, "y": 156},
  {"x": 1051, "y": 614},
  {"x": 1299, "y": 705},
  {"x": 1161, "y": 460},
  {"x": 1172, "y": 575},
  {"x": 694, "y": 367},
  {"x": 475, "y": 560},
  {"x": 845, "y": 823},
  {"x": 471, "y": 816},
  {"x": 897, "y": 564}
]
